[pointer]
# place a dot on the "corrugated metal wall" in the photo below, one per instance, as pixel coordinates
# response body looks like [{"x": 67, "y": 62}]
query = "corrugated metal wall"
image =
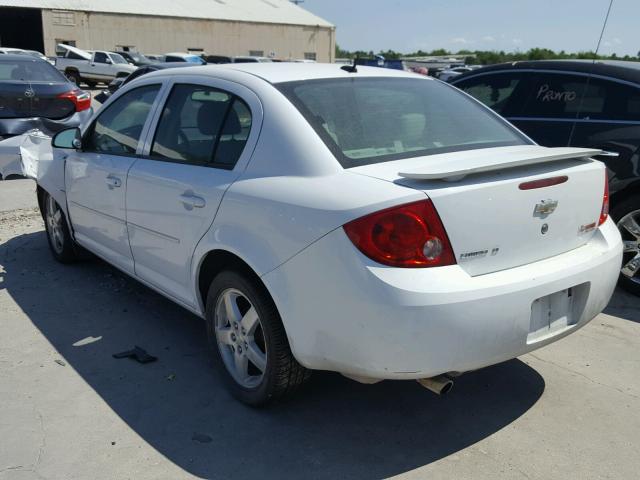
[{"x": 100, "y": 31}]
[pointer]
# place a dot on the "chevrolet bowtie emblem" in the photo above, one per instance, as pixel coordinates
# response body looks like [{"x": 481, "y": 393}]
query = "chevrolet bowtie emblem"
[{"x": 545, "y": 207}]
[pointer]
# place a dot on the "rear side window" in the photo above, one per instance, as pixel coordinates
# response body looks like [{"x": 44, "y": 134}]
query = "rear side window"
[
  {"x": 503, "y": 92},
  {"x": 202, "y": 125},
  {"x": 117, "y": 130},
  {"x": 371, "y": 120}
]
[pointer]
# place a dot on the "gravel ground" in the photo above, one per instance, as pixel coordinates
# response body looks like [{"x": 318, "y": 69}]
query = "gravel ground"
[{"x": 72, "y": 411}]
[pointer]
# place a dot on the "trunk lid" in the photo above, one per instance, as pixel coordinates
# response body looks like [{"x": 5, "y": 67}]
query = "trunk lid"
[
  {"x": 21, "y": 99},
  {"x": 491, "y": 222}
]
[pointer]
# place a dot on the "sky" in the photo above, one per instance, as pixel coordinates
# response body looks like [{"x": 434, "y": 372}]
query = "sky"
[{"x": 510, "y": 25}]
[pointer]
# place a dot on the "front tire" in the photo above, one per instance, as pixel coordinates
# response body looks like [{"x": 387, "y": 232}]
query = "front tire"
[
  {"x": 627, "y": 217},
  {"x": 251, "y": 346},
  {"x": 58, "y": 236}
]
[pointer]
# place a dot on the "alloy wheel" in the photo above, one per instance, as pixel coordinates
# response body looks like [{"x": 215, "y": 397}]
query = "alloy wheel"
[
  {"x": 240, "y": 338},
  {"x": 54, "y": 223},
  {"x": 629, "y": 227}
]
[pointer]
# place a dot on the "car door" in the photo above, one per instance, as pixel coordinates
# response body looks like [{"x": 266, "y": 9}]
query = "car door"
[
  {"x": 96, "y": 175},
  {"x": 204, "y": 135},
  {"x": 609, "y": 119},
  {"x": 101, "y": 66}
]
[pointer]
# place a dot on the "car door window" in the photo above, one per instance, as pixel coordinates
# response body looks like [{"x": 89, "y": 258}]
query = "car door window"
[
  {"x": 117, "y": 130},
  {"x": 559, "y": 95},
  {"x": 202, "y": 125},
  {"x": 503, "y": 92},
  {"x": 609, "y": 100},
  {"x": 100, "y": 57}
]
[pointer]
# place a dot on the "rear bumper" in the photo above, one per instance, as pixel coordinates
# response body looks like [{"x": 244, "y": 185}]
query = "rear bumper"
[{"x": 343, "y": 312}]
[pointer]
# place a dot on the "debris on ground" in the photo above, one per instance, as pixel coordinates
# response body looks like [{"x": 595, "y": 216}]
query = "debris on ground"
[
  {"x": 201, "y": 438},
  {"x": 139, "y": 354},
  {"x": 60, "y": 362}
]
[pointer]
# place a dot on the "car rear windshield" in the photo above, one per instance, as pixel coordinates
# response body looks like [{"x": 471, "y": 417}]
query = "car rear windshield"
[
  {"x": 372, "y": 120},
  {"x": 29, "y": 70}
]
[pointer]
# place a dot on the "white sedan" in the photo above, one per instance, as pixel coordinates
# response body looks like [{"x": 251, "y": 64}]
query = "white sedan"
[{"x": 371, "y": 222}]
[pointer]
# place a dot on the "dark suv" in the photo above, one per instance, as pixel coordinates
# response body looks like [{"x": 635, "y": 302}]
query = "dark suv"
[{"x": 577, "y": 103}]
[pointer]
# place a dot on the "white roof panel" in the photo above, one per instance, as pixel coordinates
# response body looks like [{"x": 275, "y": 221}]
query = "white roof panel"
[{"x": 264, "y": 11}]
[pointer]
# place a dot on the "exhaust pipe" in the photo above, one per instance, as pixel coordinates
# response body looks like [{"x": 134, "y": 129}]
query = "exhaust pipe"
[{"x": 439, "y": 385}]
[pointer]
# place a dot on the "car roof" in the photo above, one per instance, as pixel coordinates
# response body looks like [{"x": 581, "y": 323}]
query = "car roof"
[
  {"x": 279, "y": 72},
  {"x": 623, "y": 70},
  {"x": 21, "y": 57}
]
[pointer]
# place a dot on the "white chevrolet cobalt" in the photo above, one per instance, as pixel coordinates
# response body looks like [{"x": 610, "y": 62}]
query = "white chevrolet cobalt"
[{"x": 375, "y": 223}]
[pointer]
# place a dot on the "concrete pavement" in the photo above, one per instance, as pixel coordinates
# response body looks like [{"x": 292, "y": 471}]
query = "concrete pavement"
[{"x": 69, "y": 410}]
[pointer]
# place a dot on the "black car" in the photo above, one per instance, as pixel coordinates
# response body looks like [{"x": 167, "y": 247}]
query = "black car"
[
  {"x": 34, "y": 95},
  {"x": 135, "y": 58},
  {"x": 577, "y": 103},
  {"x": 119, "y": 82}
]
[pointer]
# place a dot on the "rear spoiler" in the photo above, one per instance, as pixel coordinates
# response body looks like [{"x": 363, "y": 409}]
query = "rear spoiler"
[{"x": 453, "y": 170}]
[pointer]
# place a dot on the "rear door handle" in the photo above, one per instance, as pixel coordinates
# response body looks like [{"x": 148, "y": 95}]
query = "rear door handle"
[
  {"x": 113, "y": 182},
  {"x": 189, "y": 200}
]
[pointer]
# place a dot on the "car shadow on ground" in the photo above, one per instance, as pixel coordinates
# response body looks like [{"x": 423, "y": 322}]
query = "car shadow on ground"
[
  {"x": 334, "y": 428},
  {"x": 624, "y": 305}
]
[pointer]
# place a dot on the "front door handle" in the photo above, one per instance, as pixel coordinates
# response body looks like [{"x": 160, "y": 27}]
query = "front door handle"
[
  {"x": 113, "y": 182},
  {"x": 189, "y": 200}
]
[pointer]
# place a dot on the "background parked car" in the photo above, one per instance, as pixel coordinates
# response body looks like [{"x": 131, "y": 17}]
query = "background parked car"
[
  {"x": 117, "y": 83},
  {"x": 184, "y": 57},
  {"x": 91, "y": 67},
  {"x": 250, "y": 59},
  {"x": 450, "y": 73},
  {"x": 577, "y": 103},
  {"x": 34, "y": 95},
  {"x": 155, "y": 57},
  {"x": 135, "y": 58},
  {"x": 20, "y": 51}
]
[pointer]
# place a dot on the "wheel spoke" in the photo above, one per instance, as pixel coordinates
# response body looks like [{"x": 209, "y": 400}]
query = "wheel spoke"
[
  {"x": 250, "y": 321},
  {"x": 630, "y": 225},
  {"x": 631, "y": 246},
  {"x": 256, "y": 357},
  {"x": 224, "y": 336},
  {"x": 57, "y": 216},
  {"x": 242, "y": 366},
  {"x": 631, "y": 267},
  {"x": 231, "y": 307}
]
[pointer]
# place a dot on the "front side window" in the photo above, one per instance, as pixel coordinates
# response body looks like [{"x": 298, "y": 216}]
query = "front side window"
[
  {"x": 372, "y": 120},
  {"x": 118, "y": 129},
  {"x": 202, "y": 125},
  {"x": 118, "y": 59}
]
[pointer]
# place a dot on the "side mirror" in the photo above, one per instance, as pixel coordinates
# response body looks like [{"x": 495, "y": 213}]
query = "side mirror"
[
  {"x": 109, "y": 61},
  {"x": 69, "y": 139}
]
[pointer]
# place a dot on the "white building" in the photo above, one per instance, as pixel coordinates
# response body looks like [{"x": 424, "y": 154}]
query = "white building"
[{"x": 276, "y": 28}]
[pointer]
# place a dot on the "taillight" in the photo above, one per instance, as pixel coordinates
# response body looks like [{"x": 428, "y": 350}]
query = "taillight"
[
  {"x": 80, "y": 99},
  {"x": 604, "y": 213},
  {"x": 410, "y": 235}
]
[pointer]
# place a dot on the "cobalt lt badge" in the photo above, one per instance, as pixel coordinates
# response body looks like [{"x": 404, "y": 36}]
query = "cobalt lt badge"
[{"x": 29, "y": 93}]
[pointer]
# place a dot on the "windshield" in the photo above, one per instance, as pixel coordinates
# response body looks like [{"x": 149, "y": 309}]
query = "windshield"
[
  {"x": 29, "y": 70},
  {"x": 117, "y": 58},
  {"x": 372, "y": 120}
]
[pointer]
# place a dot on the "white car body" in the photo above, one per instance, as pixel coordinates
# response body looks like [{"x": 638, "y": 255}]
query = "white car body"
[{"x": 282, "y": 208}]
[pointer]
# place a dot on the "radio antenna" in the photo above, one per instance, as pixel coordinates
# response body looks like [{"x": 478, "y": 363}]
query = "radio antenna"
[{"x": 595, "y": 57}]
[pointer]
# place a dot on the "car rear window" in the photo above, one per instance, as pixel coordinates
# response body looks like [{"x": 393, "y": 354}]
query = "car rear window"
[
  {"x": 372, "y": 120},
  {"x": 29, "y": 70}
]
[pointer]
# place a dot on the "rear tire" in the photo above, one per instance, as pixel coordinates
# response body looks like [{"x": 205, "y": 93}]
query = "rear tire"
[
  {"x": 60, "y": 242},
  {"x": 246, "y": 333},
  {"x": 626, "y": 214},
  {"x": 73, "y": 77}
]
